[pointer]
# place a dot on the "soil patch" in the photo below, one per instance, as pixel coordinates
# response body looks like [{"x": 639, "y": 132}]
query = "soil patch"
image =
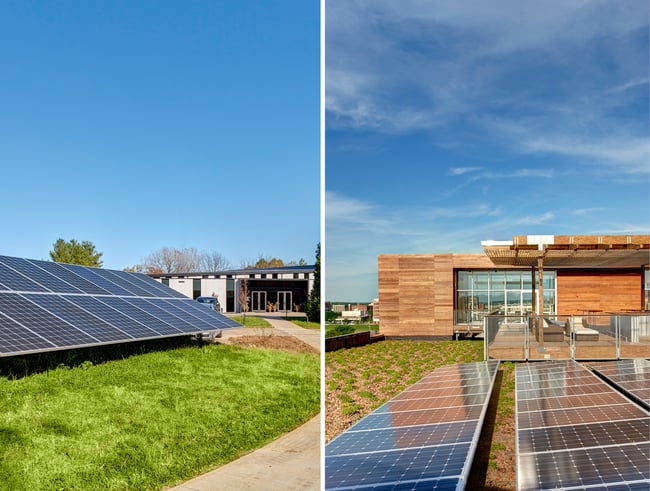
[{"x": 272, "y": 341}]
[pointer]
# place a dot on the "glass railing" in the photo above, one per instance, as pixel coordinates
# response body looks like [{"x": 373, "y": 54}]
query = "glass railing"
[{"x": 592, "y": 336}]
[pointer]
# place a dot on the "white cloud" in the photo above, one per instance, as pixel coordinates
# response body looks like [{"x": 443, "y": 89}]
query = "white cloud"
[
  {"x": 535, "y": 219},
  {"x": 586, "y": 211},
  {"x": 624, "y": 153},
  {"x": 459, "y": 171}
]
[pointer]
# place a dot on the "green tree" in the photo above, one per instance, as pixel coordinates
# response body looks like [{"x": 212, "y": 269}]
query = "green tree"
[
  {"x": 73, "y": 252},
  {"x": 312, "y": 308},
  {"x": 268, "y": 262}
]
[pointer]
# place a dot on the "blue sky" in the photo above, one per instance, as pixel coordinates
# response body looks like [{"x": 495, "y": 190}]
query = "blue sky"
[
  {"x": 449, "y": 123},
  {"x": 144, "y": 124}
]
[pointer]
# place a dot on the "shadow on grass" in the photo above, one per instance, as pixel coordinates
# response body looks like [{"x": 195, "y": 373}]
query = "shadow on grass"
[
  {"x": 16, "y": 367},
  {"x": 478, "y": 472}
]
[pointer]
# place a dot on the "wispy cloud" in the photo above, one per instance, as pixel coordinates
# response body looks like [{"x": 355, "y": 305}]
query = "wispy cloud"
[
  {"x": 459, "y": 171},
  {"x": 586, "y": 211},
  {"x": 535, "y": 219},
  {"x": 412, "y": 65}
]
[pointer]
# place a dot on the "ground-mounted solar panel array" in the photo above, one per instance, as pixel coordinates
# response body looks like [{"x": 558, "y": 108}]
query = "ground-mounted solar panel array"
[
  {"x": 575, "y": 431},
  {"x": 631, "y": 376},
  {"x": 46, "y": 306},
  {"x": 424, "y": 438}
]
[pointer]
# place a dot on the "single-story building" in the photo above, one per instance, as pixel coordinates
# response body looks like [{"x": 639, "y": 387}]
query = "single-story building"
[
  {"x": 281, "y": 289},
  {"x": 438, "y": 295}
]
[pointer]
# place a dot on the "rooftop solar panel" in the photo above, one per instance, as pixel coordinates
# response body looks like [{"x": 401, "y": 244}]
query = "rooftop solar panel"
[
  {"x": 414, "y": 441},
  {"x": 47, "y": 306},
  {"x": 632, "y": 377},
  {"x": 598, "y": 439}
]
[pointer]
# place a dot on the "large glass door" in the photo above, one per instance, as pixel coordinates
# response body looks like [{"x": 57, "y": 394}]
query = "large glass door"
[
  {"x": 284, "y": 301},
  {"x": 258, "y": 300}
]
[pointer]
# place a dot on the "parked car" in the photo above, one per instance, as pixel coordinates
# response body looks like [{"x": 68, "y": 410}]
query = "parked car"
[{"x": 210, "y": 302}]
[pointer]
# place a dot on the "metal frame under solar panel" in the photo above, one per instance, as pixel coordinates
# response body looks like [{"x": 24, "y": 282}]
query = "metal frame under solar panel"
[
  {"x": 632, "y": 377},
  {"x": 428, "y": 446},
  {"x": 595, "y": 440},
  {"x": 47, "y": 306}
]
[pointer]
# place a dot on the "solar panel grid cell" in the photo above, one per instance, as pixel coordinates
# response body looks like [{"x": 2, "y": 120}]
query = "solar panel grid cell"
[
  {"x": 42, "y": 322},
  {"x": 579, "y": 415},
  {"x": 353, "y": 442},
  {"x": 586, "y": 467},
  {"x": 39, "y": 275},
  {"x": 16, "y": 338},
  {"x": 164, "y": 315},
  {"x": 397, "y": 447},
  {"x": 69, "y": 277},
  {"x": 210, "y": 316},
  {"x": 175, "y": 310},
  {"x": 90, "y": 275},
  {"x": 431, "y": 403},
  {"x": 583, "y": 436},
  {"x": 574, "y": 390},
  {"x": 150, "y": 285},
  {"x": 591, "y": 442},
  {"x": 122, "y": 282},
  {"x": 149, "y": 320},
  {"x": 422, "y": 417},
  {"x": 447, "y": 391},
  {"x": 79, "y": 318},
  {"x": 397, "y": 466},
  {"x": 18, "y": 282},
  {"x": 114, "y": 317},
  {"x": 604, "y": 398}
]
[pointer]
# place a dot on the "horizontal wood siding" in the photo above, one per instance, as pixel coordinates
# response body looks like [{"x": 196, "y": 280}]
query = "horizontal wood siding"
[
  {"x": 606, "y": 291},
  {"x": 416, "y": 292}
]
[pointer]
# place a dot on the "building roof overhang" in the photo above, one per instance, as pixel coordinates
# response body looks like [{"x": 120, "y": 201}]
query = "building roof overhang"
[{"x": 571, "y": 251}]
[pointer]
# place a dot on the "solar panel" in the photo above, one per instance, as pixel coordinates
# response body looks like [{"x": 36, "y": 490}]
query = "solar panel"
[
  {"x": 571, "y": 439},
  {"x": 47, "y": 306},
  {"x": 632, "y": 377},
  {"x": 420, "y": 439}
]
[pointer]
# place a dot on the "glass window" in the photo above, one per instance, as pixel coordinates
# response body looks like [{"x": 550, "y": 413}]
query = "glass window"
[
  {"x": 507, "y": 292},
  {"x": 513, "y": 280},
  {"x": 196, "y": 288},
  {"x": 481, "y": 281},
  {"x": 497, "y": 281},
  {"x": 464, "y": 280}
]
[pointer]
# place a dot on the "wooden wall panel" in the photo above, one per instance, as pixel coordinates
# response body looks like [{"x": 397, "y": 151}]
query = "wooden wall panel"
[
  {"x": 607, "y": 291},
  {"x": 416, "y": 291}
]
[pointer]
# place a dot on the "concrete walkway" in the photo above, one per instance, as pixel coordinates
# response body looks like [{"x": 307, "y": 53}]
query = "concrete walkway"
[{"x": 291, "y": 462}]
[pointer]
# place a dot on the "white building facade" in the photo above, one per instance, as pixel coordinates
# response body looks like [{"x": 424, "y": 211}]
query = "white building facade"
[{"x": 283, "y": 289}]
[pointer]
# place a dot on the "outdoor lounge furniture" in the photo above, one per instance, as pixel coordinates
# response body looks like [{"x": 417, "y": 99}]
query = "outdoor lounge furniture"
[
  {"x": 585, "y": 334},
  {"x": 553, "y": 330}
]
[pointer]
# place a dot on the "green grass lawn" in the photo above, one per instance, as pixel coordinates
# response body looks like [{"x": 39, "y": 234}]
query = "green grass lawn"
[
  {"x": 251, "y": 321},
  {"x": 304, "y": 323},
  {"x": 255, "y": 321},
  {"x": 150, "y": 420}
]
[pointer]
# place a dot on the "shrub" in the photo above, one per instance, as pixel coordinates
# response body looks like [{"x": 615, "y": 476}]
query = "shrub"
[{"x": 339, "y": 330}]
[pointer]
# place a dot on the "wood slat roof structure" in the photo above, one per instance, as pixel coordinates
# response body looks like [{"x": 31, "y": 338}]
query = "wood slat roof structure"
[{"x": 571, "y": 251}]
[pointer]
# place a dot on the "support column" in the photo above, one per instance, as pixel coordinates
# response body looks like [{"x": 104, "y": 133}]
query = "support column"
[{"x": 540, "y": 297}]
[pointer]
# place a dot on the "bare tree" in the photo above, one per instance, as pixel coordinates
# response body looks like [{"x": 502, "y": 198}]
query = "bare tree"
[
  {"x": 214, "y": 261},
  {"x": 187, "y": 260},
  {"x": 243, "y": 297}
]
